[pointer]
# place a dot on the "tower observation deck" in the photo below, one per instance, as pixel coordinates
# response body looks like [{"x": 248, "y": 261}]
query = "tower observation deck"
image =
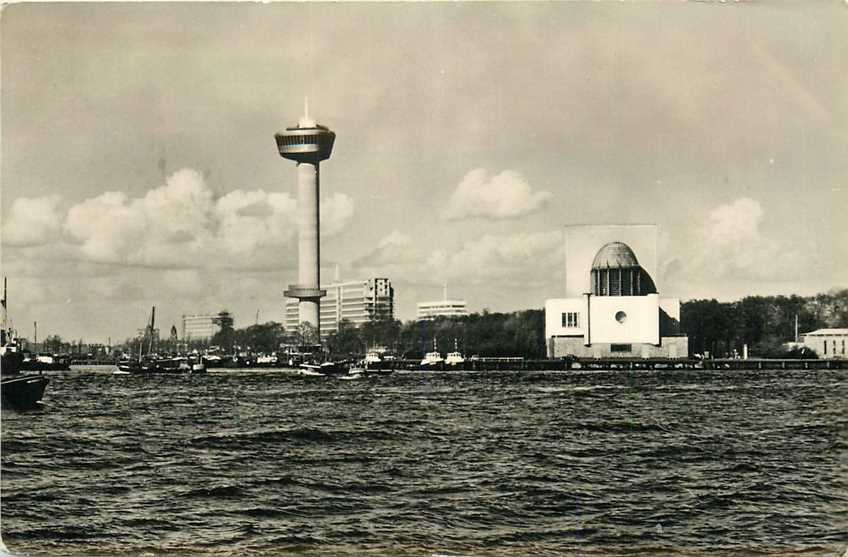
[{"x": 307, "y": 144}]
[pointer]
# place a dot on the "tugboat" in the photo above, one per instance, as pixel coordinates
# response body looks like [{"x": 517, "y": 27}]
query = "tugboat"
[
  {"x": 22, "y": 392},
  {"x": 433, "y": 360},
  {"x": 455, "y": 359}
]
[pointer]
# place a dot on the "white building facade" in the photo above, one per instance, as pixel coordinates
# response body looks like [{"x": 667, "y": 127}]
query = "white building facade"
[
  {"x": 203, "y": 326},
  {"x": 442, "y": 308},
  {"x": 828, "y": 343},
  {"x": 358, "y": 301},
  {"x": 612, "y": 307}
]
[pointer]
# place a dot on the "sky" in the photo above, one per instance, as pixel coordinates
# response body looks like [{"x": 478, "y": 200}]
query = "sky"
[{"x": 139, "y": 166}]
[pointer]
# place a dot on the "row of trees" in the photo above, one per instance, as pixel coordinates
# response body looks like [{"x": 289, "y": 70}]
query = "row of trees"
[
  {"x": 520, "y": 333},
  {"x": 764, "y": 323}
]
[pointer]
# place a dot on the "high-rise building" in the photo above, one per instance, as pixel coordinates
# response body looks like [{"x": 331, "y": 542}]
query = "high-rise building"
[
  {"x": 307, "y": 144},
  {"x": 358, "y": 301},
  {"x": 205, "y": 326},
  {"x": 442, "y": 308}
]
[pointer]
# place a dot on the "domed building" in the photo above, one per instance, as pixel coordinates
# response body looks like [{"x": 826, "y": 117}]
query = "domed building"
[
  {"x": 613, "y": 308},
  {"x": 616, "y": 272}
]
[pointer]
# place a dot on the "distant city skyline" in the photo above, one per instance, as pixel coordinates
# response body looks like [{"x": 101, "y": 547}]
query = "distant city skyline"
[{"x": 139, "y": 166}]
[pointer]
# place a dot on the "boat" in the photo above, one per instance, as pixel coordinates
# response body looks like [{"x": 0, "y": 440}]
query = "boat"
[
  {"x": 433, "y": 360},
  {"x": 267, "y": 360},
  {"x": 376, "y": 362},
  {"x": 198, "y": 365},
  {"x": 23, "y": 392},
  {"x": 18, "y": 391},
  {"x": 46, "y": 362},
  {"x": 455, "y": 358},
  {"x": 166, "y": 365},
  {"x": 324, "y": 369},
  {"x": 126, "y": 365}
]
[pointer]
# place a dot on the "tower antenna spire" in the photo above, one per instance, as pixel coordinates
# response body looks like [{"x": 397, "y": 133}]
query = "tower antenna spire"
[{"x": 305, "y": 121}]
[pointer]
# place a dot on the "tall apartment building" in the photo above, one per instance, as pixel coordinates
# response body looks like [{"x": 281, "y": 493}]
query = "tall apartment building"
[
  {"x": 358, "y": 301},
  {"x": 205, "y": 326}
]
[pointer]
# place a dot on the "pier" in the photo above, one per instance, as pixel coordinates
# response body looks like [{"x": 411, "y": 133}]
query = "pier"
[{"x": 566, "y": 364}]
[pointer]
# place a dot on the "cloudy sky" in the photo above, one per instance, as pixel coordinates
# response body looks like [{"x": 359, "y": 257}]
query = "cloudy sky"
[{"x": 139, "y": 165}]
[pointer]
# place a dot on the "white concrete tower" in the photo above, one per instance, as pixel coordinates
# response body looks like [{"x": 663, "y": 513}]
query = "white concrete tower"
[{"x": 307, "y": 144}]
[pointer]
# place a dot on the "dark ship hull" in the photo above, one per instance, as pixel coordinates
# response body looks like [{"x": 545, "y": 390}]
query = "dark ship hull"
[{"x": 23, "y": 392}]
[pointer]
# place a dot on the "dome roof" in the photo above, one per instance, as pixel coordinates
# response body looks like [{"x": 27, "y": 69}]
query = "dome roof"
[{"x": 615, "y": 254}]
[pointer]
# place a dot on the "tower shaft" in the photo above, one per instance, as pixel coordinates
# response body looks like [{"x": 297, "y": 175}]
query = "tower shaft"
[
  {"x": 309, "y": 246},
  {"x": 307, "y": 144}
]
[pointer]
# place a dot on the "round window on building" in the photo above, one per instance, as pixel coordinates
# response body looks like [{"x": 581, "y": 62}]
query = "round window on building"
[{"x": 620, "y": 316}]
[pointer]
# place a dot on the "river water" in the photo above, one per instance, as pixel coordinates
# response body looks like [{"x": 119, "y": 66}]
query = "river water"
[{"x": 423, "y": 464}]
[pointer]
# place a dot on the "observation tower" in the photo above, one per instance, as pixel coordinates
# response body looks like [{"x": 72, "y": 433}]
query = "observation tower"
[{"x": 307, "y": 144}]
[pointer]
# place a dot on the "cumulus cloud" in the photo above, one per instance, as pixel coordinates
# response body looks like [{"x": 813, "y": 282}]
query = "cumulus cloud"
[
  {"x": 738, "y": 221},
  {"x": 336, "y": 213},
  {"x": 393, "y": 250},
  {"x": 182, "y": 225},
  {"x": 532, "y": 258},
  {"x": 527, "y": 258},
  {"x": 731, "y": 244},
  {"x": 33, "y": 221},
  {"x": 503, "y": 196}
]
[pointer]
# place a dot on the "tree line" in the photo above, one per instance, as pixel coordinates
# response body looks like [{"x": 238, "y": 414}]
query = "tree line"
[
  {"x": 520, "y": 333},
  {"x": 484, "y": 334},
  {"x": 763, "y": 323}
]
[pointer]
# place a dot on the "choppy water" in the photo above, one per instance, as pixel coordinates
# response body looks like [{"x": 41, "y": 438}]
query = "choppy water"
[{"x": 264, "y": 463}]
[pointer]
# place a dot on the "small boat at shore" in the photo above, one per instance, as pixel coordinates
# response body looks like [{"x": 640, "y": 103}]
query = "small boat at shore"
[
  {"x": 455, "y": 358},
  {"x": 433, "y": 360}
]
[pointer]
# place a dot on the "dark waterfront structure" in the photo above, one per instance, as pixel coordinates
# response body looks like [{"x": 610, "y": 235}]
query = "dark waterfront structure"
[{"x": 307, "y": 144}]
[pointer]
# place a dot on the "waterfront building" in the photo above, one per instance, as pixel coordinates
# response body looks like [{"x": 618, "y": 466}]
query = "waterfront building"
[
  {"x": 612, "y": 306},
  {"x": 827, "y": 343},
  {"x": 428, "y": 311},
  {"x": 205, "y": 326},
  {"x": 307, "y": 144},
  {"x": 358, "y": 301}
]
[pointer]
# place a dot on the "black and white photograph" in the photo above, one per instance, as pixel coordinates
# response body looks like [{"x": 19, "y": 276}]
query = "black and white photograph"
[{"x": 424, "y": 279}]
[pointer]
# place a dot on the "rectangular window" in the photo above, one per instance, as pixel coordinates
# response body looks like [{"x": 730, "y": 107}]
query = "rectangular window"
[
  {"x": 843, "y": 347},
  {"x": 621, "y": 347},
  {"x": 570, "y": 319},
  {"x": 825, "y": 347}
]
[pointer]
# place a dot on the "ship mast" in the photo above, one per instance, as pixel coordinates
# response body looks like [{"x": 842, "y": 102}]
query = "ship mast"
[
  {"x": 5, "y": 324},
  {"x": 152, "y": 325}
]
